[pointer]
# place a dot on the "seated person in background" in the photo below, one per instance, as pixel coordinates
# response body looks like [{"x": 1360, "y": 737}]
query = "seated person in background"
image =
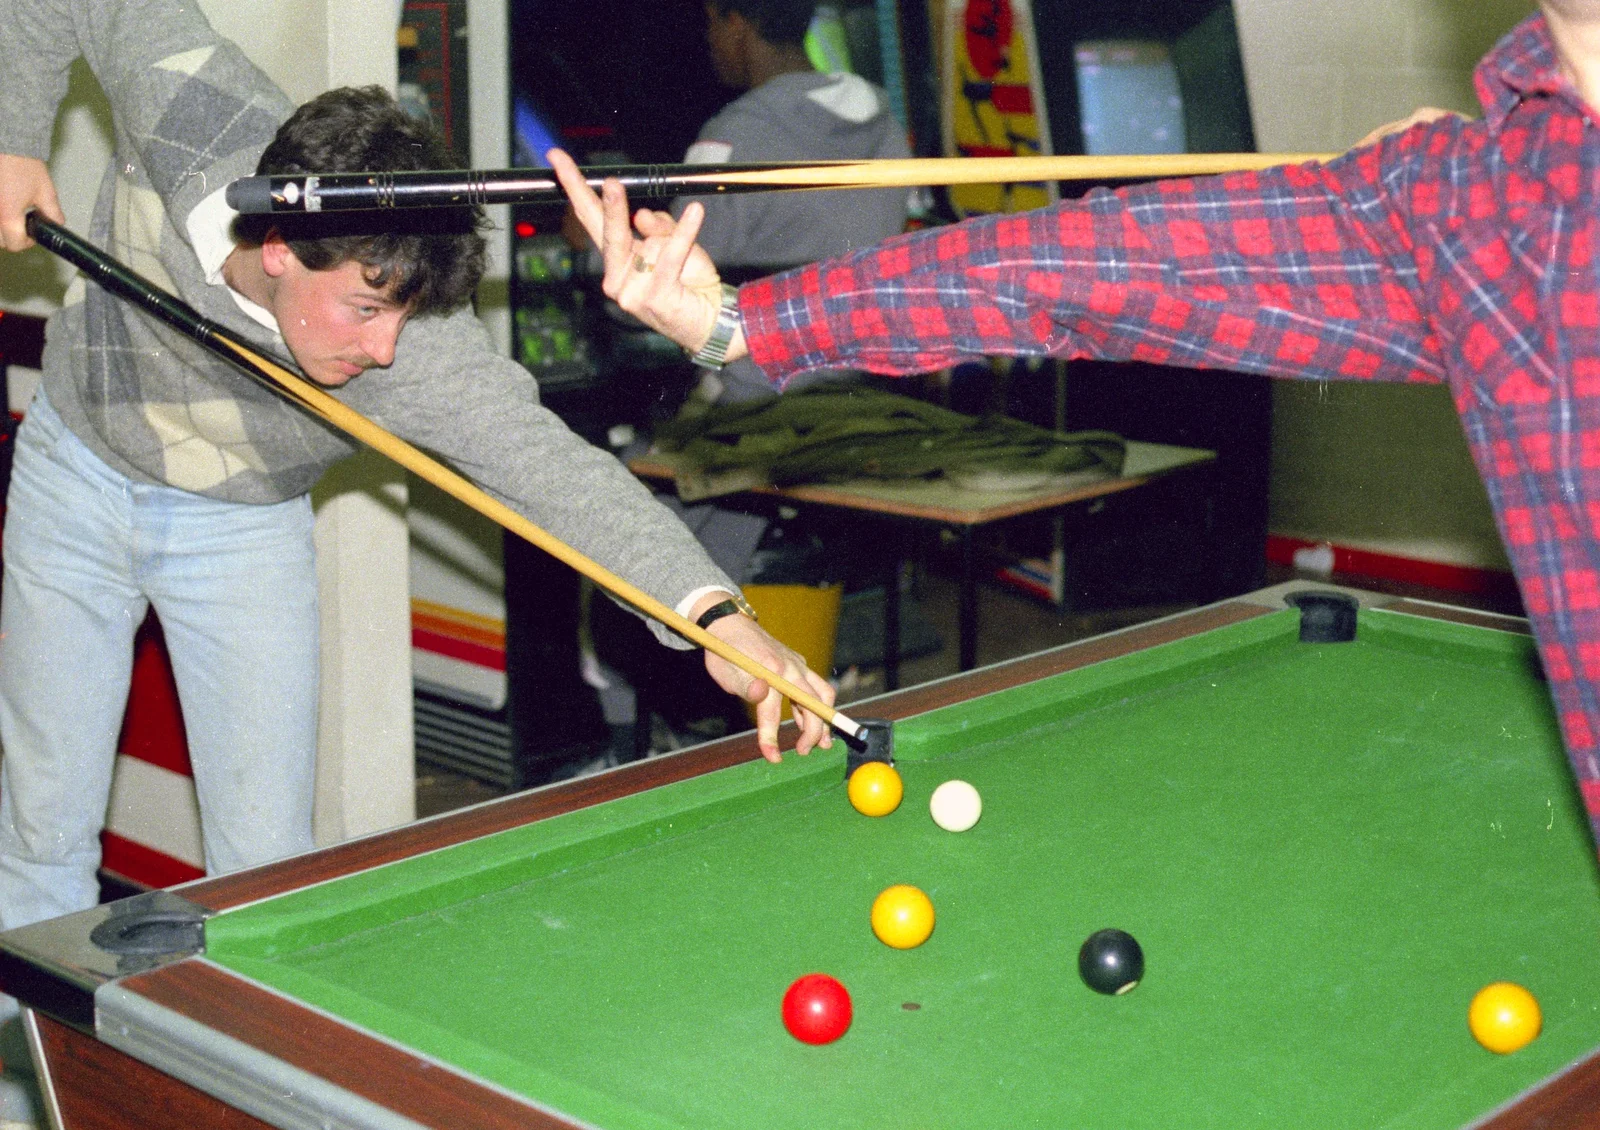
[
  {"x": 790, "y": 113},
  {"x": 1454, "y": 251}
]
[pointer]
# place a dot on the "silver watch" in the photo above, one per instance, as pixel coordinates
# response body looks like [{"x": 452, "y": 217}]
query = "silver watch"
[{"x": 714, "y": 353}]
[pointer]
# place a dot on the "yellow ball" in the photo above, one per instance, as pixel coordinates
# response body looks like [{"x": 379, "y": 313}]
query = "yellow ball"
[
  {"x": 1504, "y": 1017},
  {"x": 902, "y": 917},
  {"x": 875, "y": 788}
]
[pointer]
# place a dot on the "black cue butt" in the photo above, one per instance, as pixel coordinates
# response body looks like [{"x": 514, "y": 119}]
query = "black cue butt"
[{"x": 251, "y": 195}]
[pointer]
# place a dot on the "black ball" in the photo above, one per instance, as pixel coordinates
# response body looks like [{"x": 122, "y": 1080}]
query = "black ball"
[{"x": 1110, "y": 962}]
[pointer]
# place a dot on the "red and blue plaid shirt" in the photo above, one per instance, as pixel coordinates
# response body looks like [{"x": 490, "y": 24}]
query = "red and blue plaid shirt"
[{"x": 1462, "y": 252}]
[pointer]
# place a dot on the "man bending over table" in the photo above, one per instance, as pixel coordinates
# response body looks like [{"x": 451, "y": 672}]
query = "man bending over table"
[{"x": 151, "y": 473}]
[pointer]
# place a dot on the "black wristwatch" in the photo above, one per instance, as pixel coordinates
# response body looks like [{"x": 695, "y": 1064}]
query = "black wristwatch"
[{"x": 731, "y": 607}]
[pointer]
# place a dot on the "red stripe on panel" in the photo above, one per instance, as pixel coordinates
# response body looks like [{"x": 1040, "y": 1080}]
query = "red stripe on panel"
[
  {"x": 143, "y": 865},
  {"x": 492, "y": 658},
  {"x": 152, "y": 729},
  {"x": 1387, "y": 566}
]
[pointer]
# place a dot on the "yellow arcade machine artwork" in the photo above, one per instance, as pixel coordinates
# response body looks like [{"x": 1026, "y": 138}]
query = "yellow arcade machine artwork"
[{"x": 994, "y": 99}]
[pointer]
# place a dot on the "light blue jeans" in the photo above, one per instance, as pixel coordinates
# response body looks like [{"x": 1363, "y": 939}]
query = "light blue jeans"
[{"x": 87, "y": 551}]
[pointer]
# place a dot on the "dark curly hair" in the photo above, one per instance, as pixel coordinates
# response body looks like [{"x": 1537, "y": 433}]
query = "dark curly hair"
[
  {"x": 780, "y": 22},
  {"x": 428, "y": 258}
]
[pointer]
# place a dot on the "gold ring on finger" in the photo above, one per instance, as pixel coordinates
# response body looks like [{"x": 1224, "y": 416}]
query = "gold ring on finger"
[{"x": 642, "y": 265}]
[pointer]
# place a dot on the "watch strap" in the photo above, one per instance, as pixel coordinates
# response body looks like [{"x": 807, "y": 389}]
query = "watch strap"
[
  {"x": 733, "y": 606},
  {"x": 714, "y": 353}
]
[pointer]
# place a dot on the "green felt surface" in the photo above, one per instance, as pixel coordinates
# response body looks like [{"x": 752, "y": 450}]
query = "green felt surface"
[{"x": 1324, "y": 850}]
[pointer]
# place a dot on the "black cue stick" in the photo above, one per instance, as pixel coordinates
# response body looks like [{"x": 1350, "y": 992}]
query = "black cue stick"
[
  {"x": 343, "y": 192},
  {"x": 339, "y": 192}
]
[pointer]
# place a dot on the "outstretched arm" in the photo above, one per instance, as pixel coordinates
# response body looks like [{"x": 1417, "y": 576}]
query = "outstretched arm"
[
  {"x": 1298, "y": 271},
  {"x": 1301, "y": 271},
  {"x": 451, "y": 394}
]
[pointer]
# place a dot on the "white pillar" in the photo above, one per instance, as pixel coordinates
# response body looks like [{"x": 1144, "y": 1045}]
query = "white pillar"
[
  {"x": 365, "y": 750},
  {"x": 489, "y": 101},
  {"x": 366, "y": 757},
  {"x": 366, "y": 754}
]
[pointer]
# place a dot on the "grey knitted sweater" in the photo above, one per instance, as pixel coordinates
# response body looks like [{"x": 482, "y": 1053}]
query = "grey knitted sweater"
[{"x": 192, "y": 114}]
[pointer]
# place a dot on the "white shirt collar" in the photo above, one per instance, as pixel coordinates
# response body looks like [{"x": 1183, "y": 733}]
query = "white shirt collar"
[{"x": 210, "y": 227}]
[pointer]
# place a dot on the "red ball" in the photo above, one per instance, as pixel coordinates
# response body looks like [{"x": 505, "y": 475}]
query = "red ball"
[{"x": 816, "y": 1009}]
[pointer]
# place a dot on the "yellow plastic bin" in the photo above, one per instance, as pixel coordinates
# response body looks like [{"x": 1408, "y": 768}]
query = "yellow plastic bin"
[{"x": 805, "y": 617}]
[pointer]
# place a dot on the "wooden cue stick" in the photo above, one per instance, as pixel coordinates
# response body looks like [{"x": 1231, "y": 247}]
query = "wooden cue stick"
[
  {"x": 342, "y": 416},
  {"x": 127, "y": 284},
  {"x": 453, "y": 188},
  {"x": 914, "y": 171}
]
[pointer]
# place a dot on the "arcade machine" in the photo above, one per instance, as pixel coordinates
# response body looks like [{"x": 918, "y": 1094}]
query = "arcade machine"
[{"x": 1125, "y": 76}]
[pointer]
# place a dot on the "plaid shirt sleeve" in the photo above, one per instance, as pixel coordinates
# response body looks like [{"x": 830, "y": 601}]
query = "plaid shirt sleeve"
[{"x": 1301, "y": 271}]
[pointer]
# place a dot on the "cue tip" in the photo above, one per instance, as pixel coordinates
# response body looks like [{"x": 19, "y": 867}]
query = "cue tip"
[{"x": 873, "y": 740}]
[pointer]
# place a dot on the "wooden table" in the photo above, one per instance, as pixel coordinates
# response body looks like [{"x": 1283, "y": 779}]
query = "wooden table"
[{"x": 964, "y": 511}]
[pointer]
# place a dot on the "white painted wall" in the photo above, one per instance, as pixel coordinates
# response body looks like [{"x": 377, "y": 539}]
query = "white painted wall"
[
  {"x": 308, "y": 46},
  {"x": 34, "y": 281},
  {"x": 1380, "y": 467},
  {"x": 1323, "y": 74}
]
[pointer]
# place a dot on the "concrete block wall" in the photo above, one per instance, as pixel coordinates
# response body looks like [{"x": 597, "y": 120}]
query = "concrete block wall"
[
  {"x": 1375, "y": 467},
  {"x": 1322, "y": 74}
]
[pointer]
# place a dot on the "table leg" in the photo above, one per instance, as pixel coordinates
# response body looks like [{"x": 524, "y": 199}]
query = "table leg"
[
  {"x": 969, "y": 601},
  {"x": 41, "y": 1071},
  {"x": 891, "y": 624},
  {"x": 1069, "y": 536}
]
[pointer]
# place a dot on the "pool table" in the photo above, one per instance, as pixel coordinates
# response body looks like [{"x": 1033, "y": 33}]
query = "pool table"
[{"x": 1324, "y": 848}]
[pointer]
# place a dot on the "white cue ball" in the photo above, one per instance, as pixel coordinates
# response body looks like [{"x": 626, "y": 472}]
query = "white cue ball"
[{"x": 956, "y": 806}]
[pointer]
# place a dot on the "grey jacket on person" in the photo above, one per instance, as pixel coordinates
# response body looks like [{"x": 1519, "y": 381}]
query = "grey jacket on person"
[
  {"x": 803, "y": 116},
  {"x": 191, "y": 114}
]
